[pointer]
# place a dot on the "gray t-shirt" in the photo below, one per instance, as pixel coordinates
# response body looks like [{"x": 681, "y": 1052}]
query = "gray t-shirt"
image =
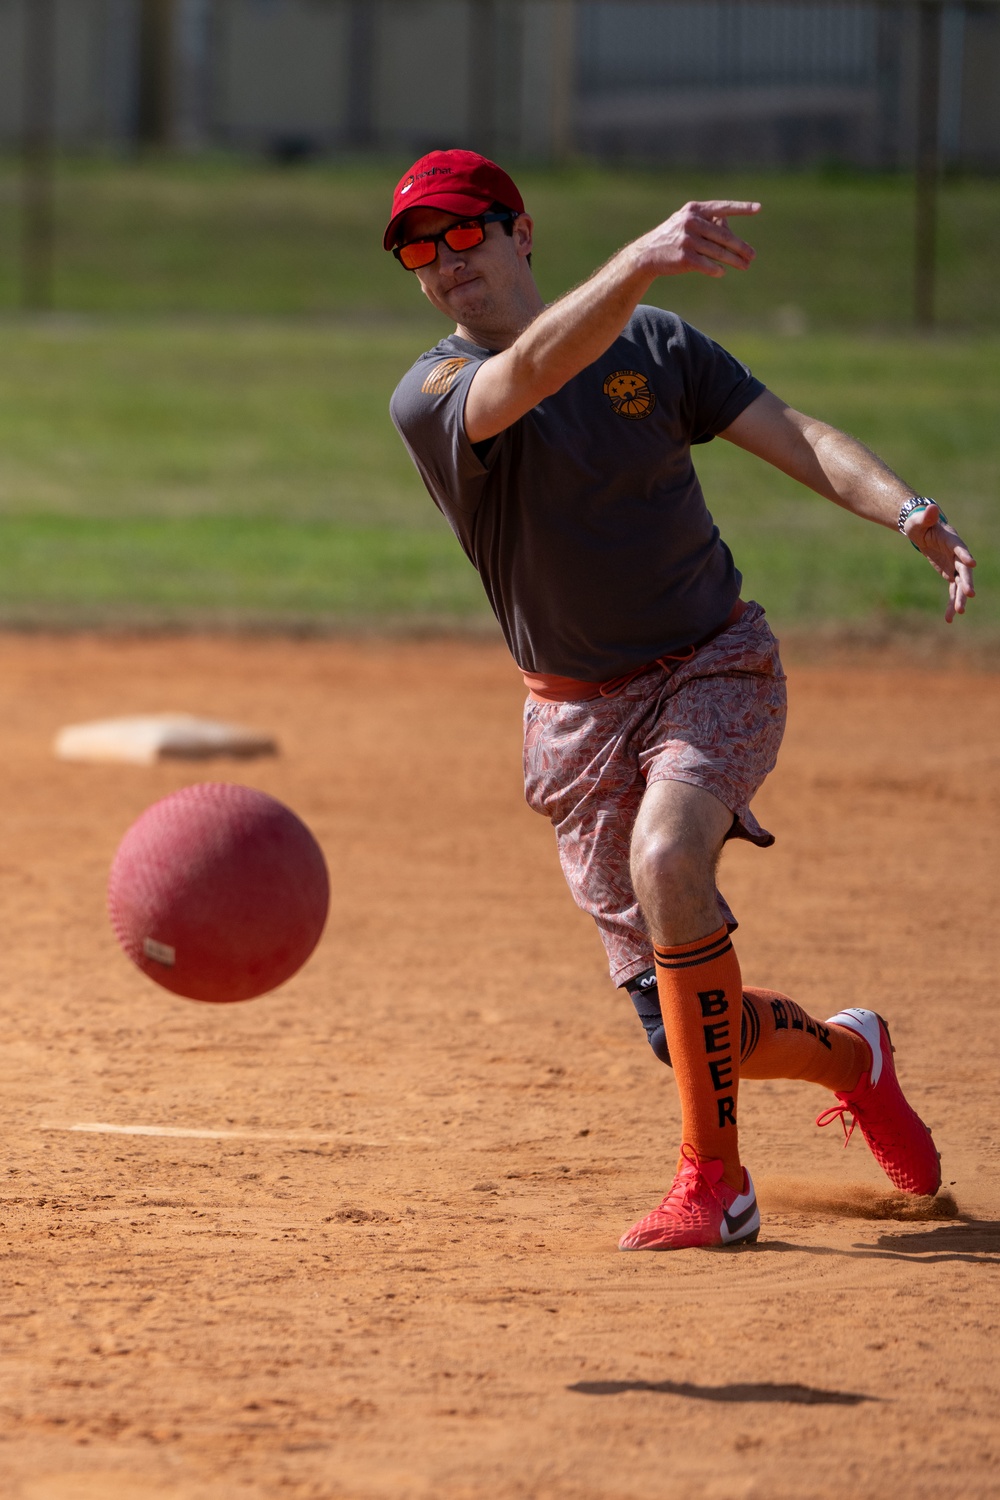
[{"x": 585, "y": 518}]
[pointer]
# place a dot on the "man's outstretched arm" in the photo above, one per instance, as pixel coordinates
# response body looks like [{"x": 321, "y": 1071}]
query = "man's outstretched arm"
[
  {"x": 571, "y": 333},
  {"x": 843, "y": 470}
]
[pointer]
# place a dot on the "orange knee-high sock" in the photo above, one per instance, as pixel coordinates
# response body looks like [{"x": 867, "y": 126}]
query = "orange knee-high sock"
[
  {"x": 780, "y": 1040},
  {"x": 700, "y": 996}
]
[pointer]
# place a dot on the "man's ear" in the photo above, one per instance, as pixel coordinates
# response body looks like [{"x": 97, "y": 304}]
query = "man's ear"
[{"x": 523, "y": 229}]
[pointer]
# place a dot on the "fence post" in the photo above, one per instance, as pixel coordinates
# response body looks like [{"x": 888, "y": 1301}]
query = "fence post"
[
  {"x": 563, "y": 81},
  {"x": 483, "y": 75},
  {"x": 359, "y": 129},
  {"x": 928, "y": 168},
  {"x": 37, "y": 165},
  {"x": 156, "y": 80}
]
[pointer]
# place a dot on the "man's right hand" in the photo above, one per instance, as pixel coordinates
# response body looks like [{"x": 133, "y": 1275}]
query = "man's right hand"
[
  {"x": 697, "y": 238},
  {"x": 566, "y": 337}
]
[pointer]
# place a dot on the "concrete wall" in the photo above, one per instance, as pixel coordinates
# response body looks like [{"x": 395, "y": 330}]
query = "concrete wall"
[
  {"x": 423, "y": 75},
  {"x": 495, "y": 74},
  {"x": 89, "y": 103},
  {"x": 279, "y": 74}
]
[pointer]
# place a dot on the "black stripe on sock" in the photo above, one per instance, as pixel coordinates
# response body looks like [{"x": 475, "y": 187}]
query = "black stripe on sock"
[
  {"x": 749, "y": 1030},
  {"x": 705, "y": 957},
  {"x": 666, "y": 954}
]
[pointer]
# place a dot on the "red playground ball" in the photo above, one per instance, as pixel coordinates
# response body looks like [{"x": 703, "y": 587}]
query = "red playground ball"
[{"x": 218, "y": 892}]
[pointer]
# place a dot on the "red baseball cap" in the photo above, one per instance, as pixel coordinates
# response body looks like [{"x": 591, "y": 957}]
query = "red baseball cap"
[{"x": 457, "y": 182}]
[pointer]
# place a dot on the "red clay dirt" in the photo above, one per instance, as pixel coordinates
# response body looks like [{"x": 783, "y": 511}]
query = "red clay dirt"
[{"x": 365, "y": 1247}]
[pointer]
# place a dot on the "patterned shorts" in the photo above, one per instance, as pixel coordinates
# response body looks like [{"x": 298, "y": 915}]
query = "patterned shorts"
[{"x": 715, "y": 721}]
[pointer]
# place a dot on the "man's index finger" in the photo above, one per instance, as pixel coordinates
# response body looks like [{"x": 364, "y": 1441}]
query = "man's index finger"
[{"x": 721, "y": 208}]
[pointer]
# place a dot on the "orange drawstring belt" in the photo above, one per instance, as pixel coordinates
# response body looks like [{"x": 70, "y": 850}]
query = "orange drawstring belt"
[{"x": 546, "y": 687}]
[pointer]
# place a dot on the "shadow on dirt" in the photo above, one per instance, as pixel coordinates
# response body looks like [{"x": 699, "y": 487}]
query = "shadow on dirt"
[
  {"x": 794, "y": 1395},
  {"x": 974, "y": 1241}
]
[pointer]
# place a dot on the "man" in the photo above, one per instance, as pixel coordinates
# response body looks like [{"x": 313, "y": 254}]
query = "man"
[{"x": 557, "y": 442}]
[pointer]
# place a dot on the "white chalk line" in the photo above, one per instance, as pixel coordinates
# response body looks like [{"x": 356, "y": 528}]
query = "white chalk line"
[{"x": 183, "y": 1132}]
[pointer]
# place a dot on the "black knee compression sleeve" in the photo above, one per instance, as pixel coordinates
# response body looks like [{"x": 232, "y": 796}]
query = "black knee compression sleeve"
[{"x": 645, "y": 997}]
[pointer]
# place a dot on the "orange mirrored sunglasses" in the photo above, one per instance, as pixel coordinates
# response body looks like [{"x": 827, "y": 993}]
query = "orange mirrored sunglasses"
[{"x": 463, "y": 236}]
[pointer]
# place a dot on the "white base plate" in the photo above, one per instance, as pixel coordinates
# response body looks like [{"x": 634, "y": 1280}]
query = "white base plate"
[{"x": 145, "y": 739}]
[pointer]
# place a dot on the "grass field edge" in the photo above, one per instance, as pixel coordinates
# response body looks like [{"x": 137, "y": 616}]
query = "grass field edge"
[{"x": 910, "y": 643}]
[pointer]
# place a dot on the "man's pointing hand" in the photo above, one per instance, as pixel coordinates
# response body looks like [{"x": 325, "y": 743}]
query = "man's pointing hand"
[{"x": 698, "y": 238}]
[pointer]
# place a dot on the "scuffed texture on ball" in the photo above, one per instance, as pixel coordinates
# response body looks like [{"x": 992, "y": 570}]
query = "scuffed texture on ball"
[{"x": 230, "y": 880}]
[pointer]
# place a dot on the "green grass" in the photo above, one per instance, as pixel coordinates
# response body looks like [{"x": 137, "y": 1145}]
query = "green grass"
[
  {"x": 928, "y": 407},
  {"x": 201, "y": 429},
  {"x": 247, "y": 470},
  {"x": 217, "y": 236},
  {"x": 229, "y": 570},
  {"x": 122, "y": 419}
]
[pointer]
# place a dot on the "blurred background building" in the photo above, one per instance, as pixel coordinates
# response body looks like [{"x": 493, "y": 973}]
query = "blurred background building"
[{"x": 667, "y": 81}]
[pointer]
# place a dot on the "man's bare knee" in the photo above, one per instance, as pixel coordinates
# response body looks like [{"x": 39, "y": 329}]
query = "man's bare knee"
[
  {"x": 676, "y": 842},
  {"x": 675, "y": 886},
  {"x": 670, "y": 866}
]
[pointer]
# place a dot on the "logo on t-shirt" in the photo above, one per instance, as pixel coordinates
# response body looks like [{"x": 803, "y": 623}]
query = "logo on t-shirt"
[
  {"x": 442, "y": 377},
  {"x": 629, "y": 394}
]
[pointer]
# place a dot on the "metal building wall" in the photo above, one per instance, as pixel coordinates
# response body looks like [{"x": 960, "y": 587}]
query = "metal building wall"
[
  {"x": 728, "y": 82},
  {"x": 674, "y": 81},
  {"x": 93, "y": 83},
  {"x": 979, "y": 95}
]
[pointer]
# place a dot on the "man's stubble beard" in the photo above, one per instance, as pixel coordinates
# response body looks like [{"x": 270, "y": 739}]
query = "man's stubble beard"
[{"x": 493, "y": 321}]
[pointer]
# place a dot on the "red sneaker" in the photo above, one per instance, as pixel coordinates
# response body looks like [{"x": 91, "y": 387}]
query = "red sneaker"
[
  {"x": 699, "y": 1210},
  {"x": 897, "y": 1137}
]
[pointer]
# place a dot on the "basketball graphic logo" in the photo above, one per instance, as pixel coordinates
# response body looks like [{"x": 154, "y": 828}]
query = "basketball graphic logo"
[
  {"x": 442, "y": 377},
  {"x": 629, "y": 394}
]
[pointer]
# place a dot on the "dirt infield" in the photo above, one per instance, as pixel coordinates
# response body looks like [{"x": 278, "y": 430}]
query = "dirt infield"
[{"x": 366, "y": 1244}]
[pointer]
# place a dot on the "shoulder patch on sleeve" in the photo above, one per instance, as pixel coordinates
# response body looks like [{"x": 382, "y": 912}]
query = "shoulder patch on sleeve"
[{"x": 442, "y": 377}]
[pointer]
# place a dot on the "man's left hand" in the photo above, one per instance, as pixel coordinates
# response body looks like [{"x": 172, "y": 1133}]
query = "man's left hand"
[{"x": 947, "y": 554}]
